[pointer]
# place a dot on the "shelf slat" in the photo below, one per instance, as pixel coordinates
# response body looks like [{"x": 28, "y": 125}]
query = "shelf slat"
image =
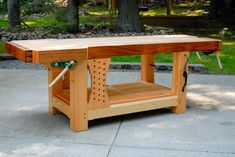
[
  {"x": 129, "y": 92},
  {"x": 127, "y": 98}
]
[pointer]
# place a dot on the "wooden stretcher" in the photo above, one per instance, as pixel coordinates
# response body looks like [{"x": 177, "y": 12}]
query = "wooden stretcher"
[{"x": 71, "y": 95}]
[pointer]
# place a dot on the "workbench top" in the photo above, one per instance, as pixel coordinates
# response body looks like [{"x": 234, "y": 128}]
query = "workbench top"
[{"x": 27, "y": 50}]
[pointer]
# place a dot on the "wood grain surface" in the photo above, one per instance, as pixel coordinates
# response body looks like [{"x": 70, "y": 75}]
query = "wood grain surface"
[{"x": 31, "y": 50}]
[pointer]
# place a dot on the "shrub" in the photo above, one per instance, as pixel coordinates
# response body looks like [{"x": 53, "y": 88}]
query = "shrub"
[
  {"x": 226, "y": 33},
  {"x": 35, "y": 7},
  {"x": 3, "y": 7}
]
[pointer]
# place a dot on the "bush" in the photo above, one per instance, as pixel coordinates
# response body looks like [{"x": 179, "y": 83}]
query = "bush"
[
  {"x": 37, "y": 6},
  {"x": 60, "y": 19},
  {"x": 3, "y": 7},
  {"x": 28, "y": 7},
  {"x": 226, "y": 33}
]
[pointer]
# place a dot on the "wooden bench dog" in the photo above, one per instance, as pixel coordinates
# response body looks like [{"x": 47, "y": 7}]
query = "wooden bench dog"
[{"x": 72, "y": 97}]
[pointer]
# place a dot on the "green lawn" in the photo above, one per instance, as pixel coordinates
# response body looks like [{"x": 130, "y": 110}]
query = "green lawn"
[
  {"x": 98, "y": 10},
  {"x": 3, "y": 22},
  {"x": 2, "y": 47},
  {"x": 175, "y": 10},
  {"x": 39, "y": 21},
  {"x": 52, "y": 21}
]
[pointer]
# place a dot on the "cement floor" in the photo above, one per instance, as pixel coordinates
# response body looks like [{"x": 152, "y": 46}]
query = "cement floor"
[{"x": 206, "y": 129}]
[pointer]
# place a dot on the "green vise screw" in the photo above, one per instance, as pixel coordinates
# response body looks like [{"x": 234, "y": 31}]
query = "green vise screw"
[{"x": 66, "y": 64}]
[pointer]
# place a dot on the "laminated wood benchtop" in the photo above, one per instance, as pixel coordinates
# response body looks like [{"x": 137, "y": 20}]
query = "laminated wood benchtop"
[{"x": 33, "y": 50}]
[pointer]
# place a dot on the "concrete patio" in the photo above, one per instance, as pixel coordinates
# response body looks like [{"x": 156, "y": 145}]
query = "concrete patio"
[{"x": 206, "y": 129}]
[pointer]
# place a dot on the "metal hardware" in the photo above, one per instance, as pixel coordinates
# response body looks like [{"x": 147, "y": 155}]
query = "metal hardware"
[
  {"x": 185, "y": 73},
  {"x": 66, "y": 65}
]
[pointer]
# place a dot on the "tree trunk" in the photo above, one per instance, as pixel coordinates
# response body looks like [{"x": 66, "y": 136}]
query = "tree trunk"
[
  {"x": 73, "y": 16},
  {"x": 226, "y": 8},
  {"x": 220, "y": 8},
  {"x": 13, "y": 10},
  {"x": 214, "y": 8},
  {"x": 168, "y": 7},
  {"x": 128, "y": 16}
]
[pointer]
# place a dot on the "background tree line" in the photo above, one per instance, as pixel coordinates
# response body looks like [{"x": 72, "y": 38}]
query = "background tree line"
[{"x": 128, "y": 12}]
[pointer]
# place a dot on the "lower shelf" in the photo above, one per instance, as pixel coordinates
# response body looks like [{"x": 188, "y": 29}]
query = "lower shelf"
[
  {"x": 133, "y": 107},
  {"x": 124, "y": 99},
  {"x": 135, "y": 91},
  {"x": 128, "y": 92},
  {"x": 120, "y": 109}
]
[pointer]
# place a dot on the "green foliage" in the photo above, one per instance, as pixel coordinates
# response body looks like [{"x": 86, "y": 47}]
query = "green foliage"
[
  {"x": 97, "y": 10},
  {"x": 3, "y": 22},
  {"x": 35, "y": 7},
  {"x": 39, "y": 21},
  {"x": 2, "y": 47},
  {"x": 3, "y": 6},
  {"x": 30, "y": 6},
  {"x": 81, "y": 2},
  {"x": 60, "y": 18},
  {"x": 34, "y": 22},
  {"x": 226, "y": 33},
  {"x": 159, "y": 10}
]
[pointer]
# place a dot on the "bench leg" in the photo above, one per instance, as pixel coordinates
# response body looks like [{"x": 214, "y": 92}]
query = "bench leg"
[
  {"x": 147, "y": 68},
  {"x": 98, "y": 96},
  {"x": 78, "y": 97},
  {"x": 178, "y": 81}
]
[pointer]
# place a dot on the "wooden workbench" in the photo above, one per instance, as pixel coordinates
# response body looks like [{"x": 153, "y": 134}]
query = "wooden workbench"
[{"x": 71, "y": 95}]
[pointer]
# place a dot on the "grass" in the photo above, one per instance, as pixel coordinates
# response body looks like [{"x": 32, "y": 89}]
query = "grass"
[
  {"x": 2, "y": 47},
  {"x": 3, "y": 22},
  {"x": 175, "y": 10},
  {"x": 39, "y": 21},
  {"x": 98, "y": 10},
  {"x": 51, "y": 21}
]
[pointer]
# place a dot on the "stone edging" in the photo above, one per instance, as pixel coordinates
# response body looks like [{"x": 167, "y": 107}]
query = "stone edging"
[{"x": 159, "y": 67}]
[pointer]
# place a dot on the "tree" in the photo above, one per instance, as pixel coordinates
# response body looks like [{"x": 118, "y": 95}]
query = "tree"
[
  {"x": 72, "y": 16},
  {"x": 128, "y": 16},
  {"x": 226, "y": 8},
  {"x": 220, "y": 9},
  {"x": 13, "y": 10},
  {"x": 168, "y": 7},
  {"x": 214, "y": 7}
]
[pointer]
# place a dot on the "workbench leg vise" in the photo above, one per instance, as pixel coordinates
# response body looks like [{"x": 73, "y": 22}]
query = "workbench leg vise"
[{"x": 74, "y": 80}]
